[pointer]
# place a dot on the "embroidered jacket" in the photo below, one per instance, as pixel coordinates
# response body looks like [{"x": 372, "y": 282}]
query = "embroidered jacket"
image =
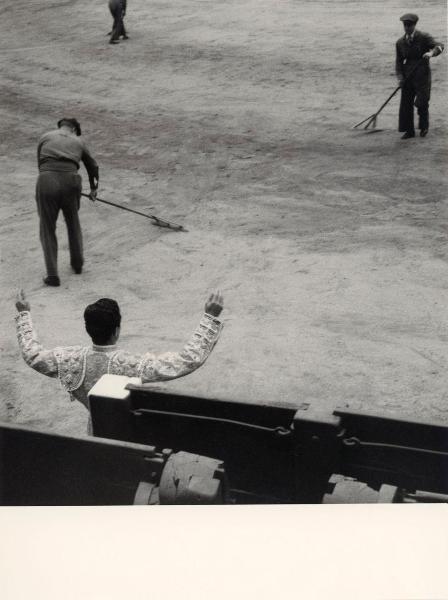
[{"x": 79, "y": 368}]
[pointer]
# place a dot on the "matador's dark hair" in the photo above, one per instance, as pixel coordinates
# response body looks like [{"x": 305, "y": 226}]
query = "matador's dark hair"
[
  {"x": 101, "y": 319},
  {"x": 72, "y": 122}
]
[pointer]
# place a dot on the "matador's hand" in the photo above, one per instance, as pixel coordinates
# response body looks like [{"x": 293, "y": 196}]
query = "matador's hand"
[
  {"x": 21, "y": 301},
  {"x": 214, "y": 304},
  {"x": 428, "y": 55}
]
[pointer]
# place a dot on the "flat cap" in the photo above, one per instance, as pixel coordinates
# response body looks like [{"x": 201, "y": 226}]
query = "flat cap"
[
  {"x": 73, "y": 122},
  {"x": 409, "y": 17}
]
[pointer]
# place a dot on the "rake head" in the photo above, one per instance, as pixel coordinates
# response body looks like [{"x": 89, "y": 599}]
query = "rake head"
[
  {"x": 173, "y": 226},
  {"x": 369, "y": 124}
]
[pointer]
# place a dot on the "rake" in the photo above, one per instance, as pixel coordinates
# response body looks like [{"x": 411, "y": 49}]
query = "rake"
[
  {"x": 156, "y": 220},
  {"x": 371, "y": 120}
]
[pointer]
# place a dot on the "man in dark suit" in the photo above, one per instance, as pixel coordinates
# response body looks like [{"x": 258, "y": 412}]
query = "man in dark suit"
[
  {"x": 118, "y": 10},
  {"x": 413, "y": 52}
]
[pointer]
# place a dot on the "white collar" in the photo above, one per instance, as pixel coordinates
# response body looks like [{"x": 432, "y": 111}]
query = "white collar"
[{"x": 97, "y": 348}]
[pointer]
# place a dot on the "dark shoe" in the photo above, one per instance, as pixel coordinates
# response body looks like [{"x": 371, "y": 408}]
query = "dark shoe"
[
  {"x": 407, "y": 135},
  {"x": 77, "y": 270},
  {"x": 114, "y": 42},
  {"x": 125, "y": 37},
  {"x": 52, "y": 280},
  {"x": 423, "y": 132}
]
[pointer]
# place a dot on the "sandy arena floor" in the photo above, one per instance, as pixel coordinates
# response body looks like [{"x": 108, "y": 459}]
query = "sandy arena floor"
[{"x": 234, "y": 118}]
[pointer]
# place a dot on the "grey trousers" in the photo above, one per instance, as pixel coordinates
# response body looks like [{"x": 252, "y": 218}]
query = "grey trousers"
[{"x": 55, "y": 191}]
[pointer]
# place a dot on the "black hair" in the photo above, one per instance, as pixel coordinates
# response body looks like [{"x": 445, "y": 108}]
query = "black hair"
[
  {"x": 72, "y": 122},
  {"x": 101, "y": 319}
]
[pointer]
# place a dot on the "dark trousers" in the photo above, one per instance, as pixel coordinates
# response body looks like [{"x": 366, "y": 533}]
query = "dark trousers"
[
  {"x": 57, "y": 191},
  {"x": 414, "y": 93},
  {"x": 118, "y": 29}
]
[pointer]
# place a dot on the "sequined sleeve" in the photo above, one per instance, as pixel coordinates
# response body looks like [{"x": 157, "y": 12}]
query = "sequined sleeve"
[
  {"x": 170, "y": 365},
  {"x": 32, "y": 350}
]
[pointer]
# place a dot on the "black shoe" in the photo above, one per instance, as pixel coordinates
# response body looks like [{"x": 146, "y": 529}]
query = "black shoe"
[
  {"x": 77, "y": 270},
  {"x": 125, "y": 37},
  {"x": 423, "y": 132},
  {"x": 114, "y": 42},
  {"x": 52, "y": 280},
  {"x": 407, "y": 135}
]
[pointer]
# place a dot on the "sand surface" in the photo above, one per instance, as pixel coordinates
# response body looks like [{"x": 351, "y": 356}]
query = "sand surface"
[{"x": 233, "y": 117}]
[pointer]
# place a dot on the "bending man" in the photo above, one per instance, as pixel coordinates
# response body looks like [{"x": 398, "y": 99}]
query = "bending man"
[
  {"x": 59, "y": 154},
  {"x": 79, "y": 368},
  {"x": 413, "y": 52}
]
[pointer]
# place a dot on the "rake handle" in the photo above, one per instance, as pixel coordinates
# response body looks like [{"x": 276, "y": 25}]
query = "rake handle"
[
  {"x": 156, "y": 220},
  {"x": 387, "y": 101},
  {"x": 137, "y": 212}
]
